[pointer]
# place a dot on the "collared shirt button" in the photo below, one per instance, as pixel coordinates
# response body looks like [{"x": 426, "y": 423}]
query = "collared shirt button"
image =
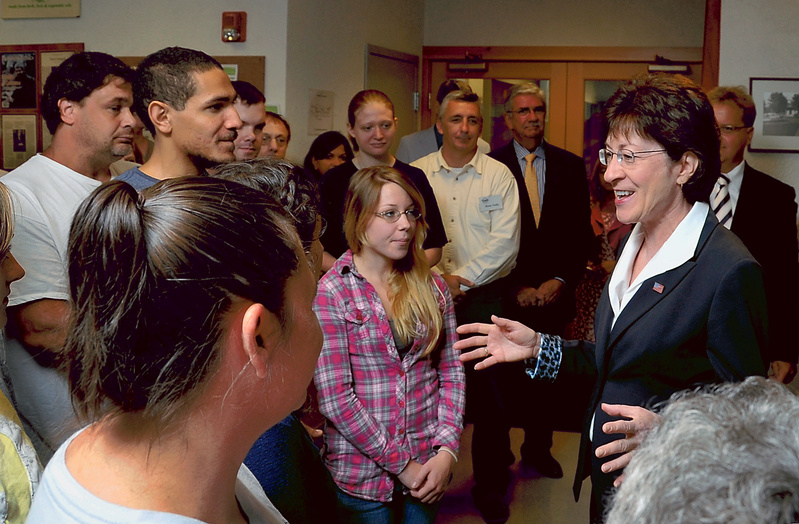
[
  {"x": 402, "y": 403},
  {"x": 401, "y": 431}
]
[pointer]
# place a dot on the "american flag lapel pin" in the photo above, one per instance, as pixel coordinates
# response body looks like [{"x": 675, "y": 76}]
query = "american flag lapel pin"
[{"x": 658, "y": 287}]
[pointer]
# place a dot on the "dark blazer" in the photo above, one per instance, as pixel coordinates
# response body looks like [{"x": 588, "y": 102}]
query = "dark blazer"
[
  {"x": 559, "y": 246},
  {"x": 765, "y": 221},
  {"x": 707, "y": 325}
]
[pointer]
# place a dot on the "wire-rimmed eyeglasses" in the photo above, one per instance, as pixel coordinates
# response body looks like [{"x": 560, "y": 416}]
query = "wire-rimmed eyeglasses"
[
  {"x": 524, "y": 111},
  {"x": 728, "y": 130},
  {"x": 625, "y": 157},
  {"x": 392, "y": 215}
]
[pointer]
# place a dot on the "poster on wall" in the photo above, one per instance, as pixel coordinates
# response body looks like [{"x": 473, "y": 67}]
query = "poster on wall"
[
  {"x": 48, "y": 62},
  {"x": 19, "y": 139},
  {"x": 320, "y": 112},
  {"x": 40, "y": 9},
  {"x": 18, "y": 80}
]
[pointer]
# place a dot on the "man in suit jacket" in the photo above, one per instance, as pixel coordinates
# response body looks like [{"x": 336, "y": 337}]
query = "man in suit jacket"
[
  {"x": 420, "y": 144},
  {"x": 555, "y": 240},
  {"x": 761, "y": 210}
]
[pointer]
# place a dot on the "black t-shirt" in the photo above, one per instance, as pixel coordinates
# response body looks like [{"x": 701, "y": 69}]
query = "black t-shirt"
[{"x": 333, "y": 190}]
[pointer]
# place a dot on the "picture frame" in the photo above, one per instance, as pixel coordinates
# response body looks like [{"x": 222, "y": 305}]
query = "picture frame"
[{"x": 776, "y": 129}]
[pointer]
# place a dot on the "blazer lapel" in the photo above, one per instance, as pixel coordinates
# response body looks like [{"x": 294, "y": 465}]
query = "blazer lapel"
[{"x": 651, "y": 292}]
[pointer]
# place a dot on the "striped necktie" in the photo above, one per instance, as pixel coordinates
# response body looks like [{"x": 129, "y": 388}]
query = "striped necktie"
[
  {"x": 722, "y": 206},
  {"x": 531, "y": 181}
]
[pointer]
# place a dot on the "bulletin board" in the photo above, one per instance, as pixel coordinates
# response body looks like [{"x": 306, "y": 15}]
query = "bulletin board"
[{"x": 23, "y": 70}]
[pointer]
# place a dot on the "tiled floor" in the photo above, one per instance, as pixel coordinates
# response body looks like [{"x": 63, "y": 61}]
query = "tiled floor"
[{"x": 533, "y": 500}]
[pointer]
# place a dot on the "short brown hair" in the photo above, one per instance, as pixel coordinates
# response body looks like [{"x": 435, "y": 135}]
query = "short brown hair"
[{"x": 738, "y": 96}]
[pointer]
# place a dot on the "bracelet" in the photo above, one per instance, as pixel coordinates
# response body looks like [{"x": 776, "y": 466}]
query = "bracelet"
[
  {"x": 444, "y": 448},
  {"x": 547, "y": 364}
]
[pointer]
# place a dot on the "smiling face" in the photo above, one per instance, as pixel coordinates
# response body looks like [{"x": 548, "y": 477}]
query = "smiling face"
[
  {"x": 733, "y": 144},
  {"x": 104, "y": 123},
  {"x": 333, "y": 159},
  {"x": 460, "y": 126},
  {"x": 649, "y": 190},
  {"x": 390, "y": 240},
  {"x": 251, "y": 134},
  {"x": 205, "y": 130},
  {"x": 374, "y": 130},
  {"x": 528, "y": 130}
]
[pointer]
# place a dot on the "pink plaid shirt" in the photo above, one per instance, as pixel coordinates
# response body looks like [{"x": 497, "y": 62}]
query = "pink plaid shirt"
[{"x": 381, "y": 411}]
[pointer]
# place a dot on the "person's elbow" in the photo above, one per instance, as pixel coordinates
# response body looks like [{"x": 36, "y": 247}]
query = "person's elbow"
[{"x": 41, "y": 325}]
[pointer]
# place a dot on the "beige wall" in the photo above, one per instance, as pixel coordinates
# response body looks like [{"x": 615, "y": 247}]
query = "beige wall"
[
  {"x": 638, "y": 23},
  {"x": 326, "y": 46},
  {"x": 759, "y": 39},
  {"x": 141, "y": 27}
]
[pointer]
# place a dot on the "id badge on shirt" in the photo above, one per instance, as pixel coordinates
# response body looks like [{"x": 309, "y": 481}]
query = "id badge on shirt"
[{"x": 490, "y": 203}]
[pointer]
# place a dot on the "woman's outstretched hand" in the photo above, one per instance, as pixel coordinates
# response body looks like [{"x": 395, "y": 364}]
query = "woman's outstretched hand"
[
  {"x": 641, "y": 420},
  {"x": 503, "y": 341}
]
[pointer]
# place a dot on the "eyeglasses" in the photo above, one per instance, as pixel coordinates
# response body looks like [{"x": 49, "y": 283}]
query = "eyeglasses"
[
  {"x": 728, "y": 130},
  {"x": 393, "y": 215},
  {"x": 540, "y": 111},
  {"x": 624, "y": 156},
  {"x": 323, "y": 223}
]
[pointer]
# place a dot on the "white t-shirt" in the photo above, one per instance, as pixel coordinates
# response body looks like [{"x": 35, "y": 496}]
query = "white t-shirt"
[
  {"x": 62, "y": 499},
  {"x": 45, "y": 196}
]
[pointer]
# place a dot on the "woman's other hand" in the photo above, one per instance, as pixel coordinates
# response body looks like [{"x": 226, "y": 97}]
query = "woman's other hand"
[{"x": 640, "y": 421}]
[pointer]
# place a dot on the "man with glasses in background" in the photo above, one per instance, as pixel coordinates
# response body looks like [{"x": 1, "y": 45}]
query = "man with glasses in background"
[
  {"x": 276, "y": 136},
  {"x": 761, "y": 211},
  {"x": 555, "y": 239}
]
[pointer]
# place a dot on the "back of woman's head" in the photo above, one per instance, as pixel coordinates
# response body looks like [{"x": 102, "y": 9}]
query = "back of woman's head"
[
  {"x": 323, "y": 145},
  {"x": 674, "y": 112},
  {"x": 152, "y": 278},
  {"x": 361, "y": 99},
  {"x": 292, "y": 187}
]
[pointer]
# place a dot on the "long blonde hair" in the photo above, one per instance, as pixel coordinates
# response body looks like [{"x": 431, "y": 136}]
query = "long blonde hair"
[
  {"x": 6, "y": 220},
  {"x": 412, "y": 291}
]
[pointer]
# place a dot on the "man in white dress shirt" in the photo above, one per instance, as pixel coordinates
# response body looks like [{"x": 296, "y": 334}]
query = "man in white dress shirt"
[
  {"x": 479, "y": 205},
  {"x": 761, "y": 211}
]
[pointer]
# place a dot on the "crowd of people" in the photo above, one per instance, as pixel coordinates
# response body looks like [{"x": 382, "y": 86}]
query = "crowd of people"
[{"x": 214, "y": 333}]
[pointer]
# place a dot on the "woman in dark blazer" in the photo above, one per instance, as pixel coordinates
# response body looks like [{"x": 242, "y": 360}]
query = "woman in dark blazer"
[{"x": 685, "y": 304}]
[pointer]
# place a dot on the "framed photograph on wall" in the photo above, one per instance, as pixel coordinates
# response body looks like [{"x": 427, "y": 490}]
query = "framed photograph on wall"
[
  {"x": 23, "y": 71},
  {"x": 777, "y": 125}
]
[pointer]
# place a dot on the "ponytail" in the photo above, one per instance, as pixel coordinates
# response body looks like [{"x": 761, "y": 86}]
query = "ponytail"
[{"x": 108, "y": 274}]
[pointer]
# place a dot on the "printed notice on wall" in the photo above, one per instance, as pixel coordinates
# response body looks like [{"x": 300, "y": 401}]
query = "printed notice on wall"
[
  {"x": 320, "y": 112},
  {"x": 19, "y": 139},
  {"x": 40, "y": 8}
]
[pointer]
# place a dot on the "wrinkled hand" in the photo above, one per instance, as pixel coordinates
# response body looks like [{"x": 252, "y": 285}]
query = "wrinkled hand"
[
  {"x": 640, "y": 421},
  {"x": 409, "y": 475},
  {"x": 549, "y": 291},
  {"x": 527, "y": 296},
  {"x": 454, "y": 284},
  {"x": 504, "y": 341},
  {"x": 781, "y": 371},
  {"x": 433, "y": 478}
]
